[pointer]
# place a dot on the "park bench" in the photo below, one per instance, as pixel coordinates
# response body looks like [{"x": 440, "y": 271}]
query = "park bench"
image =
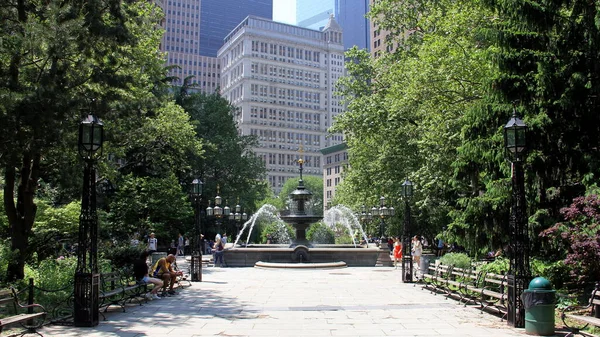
[
  {"x": 30, "y": 320},
  {"x": 117, "y": 290},
  {"x": 437, "y": 278},
  {"x": 585, "y": 315},
  {"x": 491, "y": 290}
]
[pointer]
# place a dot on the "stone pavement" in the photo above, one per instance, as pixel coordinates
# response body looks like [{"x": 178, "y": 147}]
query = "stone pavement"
[{"x": 334, "y": 302}]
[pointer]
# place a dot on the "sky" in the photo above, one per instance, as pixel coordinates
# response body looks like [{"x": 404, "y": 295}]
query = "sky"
[{"x": 284, "y": 11}]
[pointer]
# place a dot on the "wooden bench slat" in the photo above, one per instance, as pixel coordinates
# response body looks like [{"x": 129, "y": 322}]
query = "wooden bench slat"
[
  {"x": 20, "y": 318},
  {"x": 586, "y": 319}
]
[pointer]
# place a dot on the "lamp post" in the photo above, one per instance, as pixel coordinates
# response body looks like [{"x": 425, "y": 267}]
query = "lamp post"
[
  {"x": 196, "y": 262},
  {"x": 91, "y": 137},
  {"x": 365, "y": 218},
  {"x": 407, "y": 266},
  {"x": 218, "y": 212},
  {"x": 383, "y": 212},
  {"x": 238, "y": 217},
  {"x": 518, "y": 249}
]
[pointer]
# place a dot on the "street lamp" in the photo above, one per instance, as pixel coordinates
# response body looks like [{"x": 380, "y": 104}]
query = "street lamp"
[
  {"x": 218, "y": 212},
  {"x": 365, "y": 218},
  {"x": 407, "y": 266},
  {"x": 518, "y": 250},
  {"x": 238, "y": 217},
  {"x": 196, "y": 262},
  {"x": 383, "y": 212},
  {"x": 87, "y": 279}
]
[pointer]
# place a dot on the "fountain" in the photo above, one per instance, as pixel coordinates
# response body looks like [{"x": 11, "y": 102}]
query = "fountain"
[{"x": 301, "y": 253}]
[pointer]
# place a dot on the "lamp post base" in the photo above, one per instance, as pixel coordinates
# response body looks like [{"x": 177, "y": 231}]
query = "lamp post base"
[
  {"x": 86, "y": 299},
  {"x": 384, "y": 258},
  {"x": 196, "y": 267}
]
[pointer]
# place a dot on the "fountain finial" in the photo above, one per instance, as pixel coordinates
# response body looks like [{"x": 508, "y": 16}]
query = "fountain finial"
[{"x": 301, "y": 162}]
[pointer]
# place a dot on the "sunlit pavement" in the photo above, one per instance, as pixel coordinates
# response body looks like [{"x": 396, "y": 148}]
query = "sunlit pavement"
[{"x": 284, "y": 302}]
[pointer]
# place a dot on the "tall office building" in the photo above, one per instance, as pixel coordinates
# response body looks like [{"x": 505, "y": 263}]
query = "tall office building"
[
  {"x": 194, "y": 32},
  {"x": 350, "y": 14},
  {"x": 281, "y": 77},
  {"x": 379, "y": 39}
]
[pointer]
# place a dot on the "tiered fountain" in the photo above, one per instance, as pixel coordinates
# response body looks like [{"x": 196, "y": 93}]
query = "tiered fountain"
[{"x": 300, "y": 253}]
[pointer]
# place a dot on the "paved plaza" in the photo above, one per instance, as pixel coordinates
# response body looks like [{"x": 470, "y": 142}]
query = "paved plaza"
[{"x": 283, "y": 302}]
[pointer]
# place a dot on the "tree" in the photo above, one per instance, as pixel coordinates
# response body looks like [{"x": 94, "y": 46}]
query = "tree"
[
  {"x": 406, "y": 122},
  {"x": 55, "y": 58},
  {"x": 228, "y": 160}
]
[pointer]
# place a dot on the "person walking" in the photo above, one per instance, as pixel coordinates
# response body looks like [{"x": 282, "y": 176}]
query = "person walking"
[
  {"x": 417, "y": 249},
  {"x": 152, "y": 244},
  {"x": 180, "y": 245},
  {"x": 397, "y": 251}
]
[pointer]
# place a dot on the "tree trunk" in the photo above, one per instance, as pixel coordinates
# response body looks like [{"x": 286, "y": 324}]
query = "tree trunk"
[{"x": 21, "y": 215}]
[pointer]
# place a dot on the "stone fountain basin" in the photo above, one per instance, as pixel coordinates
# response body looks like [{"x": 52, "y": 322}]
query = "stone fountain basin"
[{"x": 359, "y": 256}]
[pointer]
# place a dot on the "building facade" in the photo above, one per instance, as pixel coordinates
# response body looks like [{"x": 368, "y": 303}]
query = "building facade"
[
  {"x": 281, "y": 78},
  {"x": 350, "y": 15},
  {"x": 194, "y": 31},
  {"x": 335, "y": 160},
  {"x": 379, "y": 39}
]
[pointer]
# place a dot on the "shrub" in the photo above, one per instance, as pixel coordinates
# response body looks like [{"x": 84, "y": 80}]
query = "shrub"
[
  {"x": 320, "y": 233},
  {"x": 279, "y": 232},
  {"x": 580, "y": 234},
  {"x": 499, "y": 266},
  {"x": 459, "y": 260},
  {"x": 123, "y": 255}
]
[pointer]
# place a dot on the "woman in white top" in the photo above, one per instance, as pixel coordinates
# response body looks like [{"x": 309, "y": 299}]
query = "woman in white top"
[{"x": 417, "y": 249}]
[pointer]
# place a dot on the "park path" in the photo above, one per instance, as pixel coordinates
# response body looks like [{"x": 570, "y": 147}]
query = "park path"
[{"x": 335, "y": 302}]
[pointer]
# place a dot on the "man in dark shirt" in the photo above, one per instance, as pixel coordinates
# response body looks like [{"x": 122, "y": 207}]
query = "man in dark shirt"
[{"x": 140, "y": 271}]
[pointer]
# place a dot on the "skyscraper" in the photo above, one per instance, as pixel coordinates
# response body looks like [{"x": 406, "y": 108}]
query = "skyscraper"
[
  {"x": 350, "y": 14},
  {"x": 194, "y": 32},
  {"x": 282, "y": 79}
]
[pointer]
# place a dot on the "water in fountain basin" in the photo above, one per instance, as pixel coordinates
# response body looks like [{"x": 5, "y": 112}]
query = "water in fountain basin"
[
  {"x": 268, "y": 212},
  {"x": 344, "y": 215}
]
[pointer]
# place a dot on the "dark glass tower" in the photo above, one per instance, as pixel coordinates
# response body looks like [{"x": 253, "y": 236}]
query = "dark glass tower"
[
  {"x": 350, "y": 14},
  {"x": 219, "y": 17}
]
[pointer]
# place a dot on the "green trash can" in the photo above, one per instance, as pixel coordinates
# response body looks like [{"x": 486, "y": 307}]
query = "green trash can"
[{"x": 539, "y": 301}]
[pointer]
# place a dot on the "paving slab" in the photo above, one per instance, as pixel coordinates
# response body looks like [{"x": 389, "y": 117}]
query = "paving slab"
[{"x": 242, "y": 302}]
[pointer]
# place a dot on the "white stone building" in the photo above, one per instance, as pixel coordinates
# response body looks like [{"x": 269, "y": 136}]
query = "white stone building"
[{"x": 282, "y": 79}]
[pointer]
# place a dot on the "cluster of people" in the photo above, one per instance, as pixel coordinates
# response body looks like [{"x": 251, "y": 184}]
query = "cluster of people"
[
  {"x": 416, "y": 250},
  {"x": 162, "y": 274}
]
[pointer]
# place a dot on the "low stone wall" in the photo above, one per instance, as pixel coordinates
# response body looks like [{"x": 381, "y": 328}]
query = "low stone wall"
[{"x": 247, "y": 257}]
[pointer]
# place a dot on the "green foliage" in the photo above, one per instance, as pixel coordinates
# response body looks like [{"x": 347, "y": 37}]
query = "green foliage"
[
  {"x": 320, "y": 233},
  {"x": 459, "y": 260},
  {"x": 278, "y": 232},
  {"x": 557, "y": 272},
  {"x": 499, "y": 266},
  {"x": 122, "y": 256},
  {"x": 148, "y": 204}
]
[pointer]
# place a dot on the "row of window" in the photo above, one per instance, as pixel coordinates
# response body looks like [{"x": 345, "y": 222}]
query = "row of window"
[
  {"x": 285, "y": 115},
  {"x": 287, "y": 137},
  {"x": 286, "y": 51}
]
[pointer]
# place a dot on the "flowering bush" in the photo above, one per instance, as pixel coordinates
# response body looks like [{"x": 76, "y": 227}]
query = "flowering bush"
[{"x": 579, "y": 234}]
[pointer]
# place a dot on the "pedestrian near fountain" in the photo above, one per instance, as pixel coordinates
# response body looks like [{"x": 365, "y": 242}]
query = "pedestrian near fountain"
[
  {"x": 218, "y": 249},
  {"x": 417, "y": 249},
  {"x": 397, "y": 251}
]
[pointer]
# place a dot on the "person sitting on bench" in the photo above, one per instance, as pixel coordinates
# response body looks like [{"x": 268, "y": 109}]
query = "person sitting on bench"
[
  {"x": 140, "y": 271},
  {"x": 163, "y": 270}
]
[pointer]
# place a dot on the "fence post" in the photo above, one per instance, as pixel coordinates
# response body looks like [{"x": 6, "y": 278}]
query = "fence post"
[{"x": 30, "y": 299}]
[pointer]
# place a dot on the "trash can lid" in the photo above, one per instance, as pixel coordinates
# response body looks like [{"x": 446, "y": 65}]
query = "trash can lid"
[{"x": 540, "y": 283}]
